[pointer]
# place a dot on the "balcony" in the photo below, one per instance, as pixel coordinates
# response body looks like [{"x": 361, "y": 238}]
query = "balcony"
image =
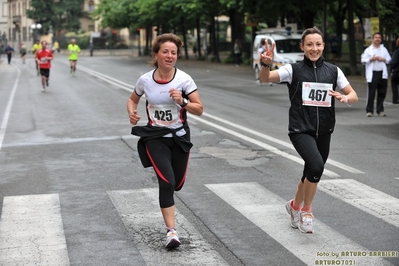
[{"x": 16, "y": 19}]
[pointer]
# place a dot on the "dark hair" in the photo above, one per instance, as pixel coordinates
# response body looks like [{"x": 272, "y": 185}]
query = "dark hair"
[
  {"x": 262, "y": 41},
  {"x": 314, "y": 30},
  {"x": 159, "y": 40},
  {"x": 377, "y": 33}
]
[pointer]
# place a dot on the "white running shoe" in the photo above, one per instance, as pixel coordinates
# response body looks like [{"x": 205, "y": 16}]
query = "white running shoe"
[
  {"x": 293, "y": 213},
  {"x": 306, "y": 222},
  {"x": 172, "y": 240}
]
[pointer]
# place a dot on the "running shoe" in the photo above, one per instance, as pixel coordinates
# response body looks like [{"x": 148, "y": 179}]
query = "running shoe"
[
  {"x": 172, "y": 240},
  {"x": 306, "y": 222},
  {"x": 293, "y": 213}
]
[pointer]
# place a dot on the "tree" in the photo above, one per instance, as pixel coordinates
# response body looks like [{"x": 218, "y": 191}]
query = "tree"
[{"x": 61, "y": 15}]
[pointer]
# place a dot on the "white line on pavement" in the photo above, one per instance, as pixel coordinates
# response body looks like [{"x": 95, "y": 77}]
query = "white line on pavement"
[
  {"x": 140, "y": 212},
  {"x": 282, "y": 143},
  {"x": 363, "y": 197},
  {"x": 7, "y": 112},
  {"x": 297, "y": 159},
  {"x": 31, "y": 231},
  {"x": 118, "y": 83},
  {"x": 267, "y": 211},
  {"x": 261, "y": 144}
]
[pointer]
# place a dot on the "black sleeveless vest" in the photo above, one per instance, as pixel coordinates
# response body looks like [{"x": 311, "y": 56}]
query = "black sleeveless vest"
[{"x": 311, "y": 119}]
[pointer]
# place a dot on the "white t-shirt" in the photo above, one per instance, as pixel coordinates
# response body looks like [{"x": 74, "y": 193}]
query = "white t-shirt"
[
  {"x": 162, "y": 110},
  {"x": 285, "y": 73}
]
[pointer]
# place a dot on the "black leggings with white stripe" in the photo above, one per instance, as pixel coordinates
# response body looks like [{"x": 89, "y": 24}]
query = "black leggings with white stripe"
[{"x": 170, "y": 165}]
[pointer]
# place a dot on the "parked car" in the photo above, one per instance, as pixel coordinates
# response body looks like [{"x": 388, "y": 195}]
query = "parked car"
[{"x": 287, "y": 48}]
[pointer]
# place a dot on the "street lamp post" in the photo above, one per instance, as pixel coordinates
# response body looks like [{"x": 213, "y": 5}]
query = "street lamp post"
[{"x": 35, "y": 28}]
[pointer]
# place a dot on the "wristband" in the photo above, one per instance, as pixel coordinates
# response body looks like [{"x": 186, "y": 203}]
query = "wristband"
[
  {"x": 347, "y": 101},
  {"x": 264, "y": 65}
]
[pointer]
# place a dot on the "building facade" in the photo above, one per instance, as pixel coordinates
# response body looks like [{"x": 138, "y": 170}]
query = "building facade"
[{"x": 18, "y": 27}]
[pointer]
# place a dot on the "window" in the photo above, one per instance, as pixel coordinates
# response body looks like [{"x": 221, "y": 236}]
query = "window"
[{"x": 91, "y": 5}]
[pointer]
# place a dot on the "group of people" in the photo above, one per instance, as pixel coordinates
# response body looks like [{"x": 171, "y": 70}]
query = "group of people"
[
  {"x": 44, "y": 55},
  {"x": 170, "y": 93}
]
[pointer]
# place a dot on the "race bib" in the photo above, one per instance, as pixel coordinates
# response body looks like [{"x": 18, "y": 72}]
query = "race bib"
[
  {"x": 163, "y": 115},
  {"x": 316, "y": 94},
  {"x": 43, "y": 60}
]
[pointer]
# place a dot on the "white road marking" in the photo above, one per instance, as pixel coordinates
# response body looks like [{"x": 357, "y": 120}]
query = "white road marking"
[
  {"x": 297, "y": 159},
  {"x": 141, "y": 214},
  {"x": 267, "y": 211},
  {"x": 51, "y": 141},
  {"x": 31, "y": 231},
  {"x": 280, "y": 142},
  {"x": 261, "y": 144},
  {"x": 118, "y": 83},
  {"x": 364, "y": 198},
  {"x": 7, "y": 112}
]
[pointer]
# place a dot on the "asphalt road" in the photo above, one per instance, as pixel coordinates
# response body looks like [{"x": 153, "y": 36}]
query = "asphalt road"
[{"x": 75, "y": 193}]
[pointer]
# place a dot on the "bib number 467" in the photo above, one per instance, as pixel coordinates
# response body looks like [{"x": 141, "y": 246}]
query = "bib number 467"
[{"x": 317, "y": 95}]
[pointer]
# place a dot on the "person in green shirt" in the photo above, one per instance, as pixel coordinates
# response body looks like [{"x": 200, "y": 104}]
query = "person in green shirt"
[
  {"x": 73, "y": 50},
  {"x": 35, "y": 48}
]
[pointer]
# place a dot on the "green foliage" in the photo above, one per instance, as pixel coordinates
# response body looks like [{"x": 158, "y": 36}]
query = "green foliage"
[{"x": 61, "y": 15}]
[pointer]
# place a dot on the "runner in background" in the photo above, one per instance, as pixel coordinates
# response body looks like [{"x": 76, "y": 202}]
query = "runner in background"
[
  {"x": 73, "y": 50},
  {"x": 43, "y": 59},
  {"x": 22, "y": 51}
]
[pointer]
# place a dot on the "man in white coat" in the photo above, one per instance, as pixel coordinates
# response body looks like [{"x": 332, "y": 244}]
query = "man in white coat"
[{"x": 375, "y": 58}]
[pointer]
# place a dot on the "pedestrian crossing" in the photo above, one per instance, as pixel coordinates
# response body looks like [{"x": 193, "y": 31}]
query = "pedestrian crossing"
[
  {"x": 31, "y": 231},
  {"x": 31, "y": 228}
]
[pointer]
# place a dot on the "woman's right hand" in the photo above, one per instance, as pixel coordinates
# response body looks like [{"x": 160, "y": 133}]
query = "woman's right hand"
[
  {"x": 267, "y": 56},
  {"x": 134, "y": 117}
]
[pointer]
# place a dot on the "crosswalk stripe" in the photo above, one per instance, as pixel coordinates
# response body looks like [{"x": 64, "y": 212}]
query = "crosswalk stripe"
[
  {"x": 364, "y": 197},
  {"x": 266, "y": 210},
  {"x": 140, "y": 212},
  {"x": 31, "y": 231},
  {"x": 260, "y": 144}
]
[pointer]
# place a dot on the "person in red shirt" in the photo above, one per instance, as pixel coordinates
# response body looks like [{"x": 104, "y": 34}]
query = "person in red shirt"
[{"x": 43, "y": 59}]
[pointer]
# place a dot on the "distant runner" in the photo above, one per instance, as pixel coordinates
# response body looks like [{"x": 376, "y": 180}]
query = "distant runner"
[{"x": 73, "y": 50}]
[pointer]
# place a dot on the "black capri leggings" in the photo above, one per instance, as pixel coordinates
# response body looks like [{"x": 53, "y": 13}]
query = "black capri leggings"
[
  {"x": 314, "y": 151},
  {"x": 170, "y": 164}
]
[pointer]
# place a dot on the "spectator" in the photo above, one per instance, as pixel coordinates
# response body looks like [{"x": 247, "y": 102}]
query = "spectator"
[
  {"x": 91, "y": 48},
  {"x": 237, "y": 52},
  {"x": 395, "y": 74},
  {"x": 334, "y": 47},
  {"x": 375, "y": 58}
]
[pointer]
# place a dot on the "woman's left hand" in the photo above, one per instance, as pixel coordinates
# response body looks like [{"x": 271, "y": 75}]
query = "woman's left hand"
[
  {"x": 339, "y": 96},
  {"x": 176, "y": 96}
]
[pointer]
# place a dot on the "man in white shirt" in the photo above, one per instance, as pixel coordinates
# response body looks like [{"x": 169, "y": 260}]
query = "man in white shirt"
[{"x": 375, "y": 58}]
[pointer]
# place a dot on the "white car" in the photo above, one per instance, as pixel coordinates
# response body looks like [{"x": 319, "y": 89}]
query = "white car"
[{"x": 287, "y": 49}]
